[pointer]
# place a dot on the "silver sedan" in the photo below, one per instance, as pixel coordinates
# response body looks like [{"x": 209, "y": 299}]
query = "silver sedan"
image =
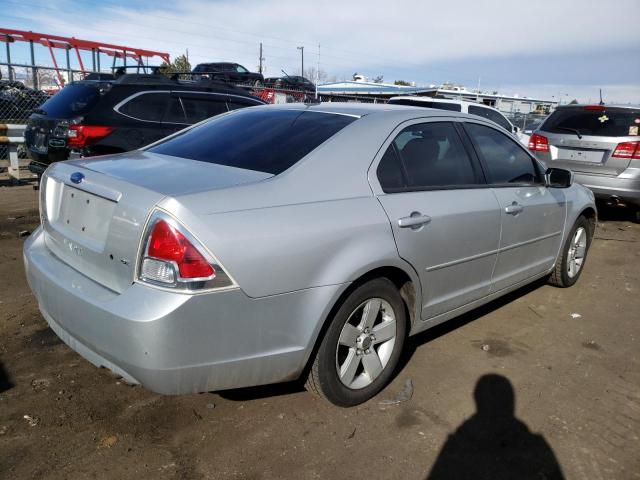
[{"x": 289, "y": 241}]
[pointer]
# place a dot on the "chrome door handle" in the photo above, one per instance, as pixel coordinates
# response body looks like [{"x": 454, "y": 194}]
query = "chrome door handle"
[
  {"x": 513, "y": 209},
  {"x": 414, "y": 221}
]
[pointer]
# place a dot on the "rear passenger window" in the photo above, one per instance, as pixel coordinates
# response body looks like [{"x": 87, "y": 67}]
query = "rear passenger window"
[
  {"x": 201, "y": 107},
  {"x": 240, "y": 104},
  {"x": 175, "y": 112},
  {"x": 432, "y": 155},
  {"x": 389, "y": 171},
  {"x": 147, "y": 106},
  {"x": 491, "y": 115},
  {"x": 506, "y": 161}
]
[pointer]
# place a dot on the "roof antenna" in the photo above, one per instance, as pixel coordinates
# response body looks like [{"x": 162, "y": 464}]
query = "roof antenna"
[{"x": 601, "y": 102}]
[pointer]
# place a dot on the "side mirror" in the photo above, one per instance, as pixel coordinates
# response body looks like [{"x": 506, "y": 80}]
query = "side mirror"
[
  {"x": 516, "y": 129},
  {"x": 558, "y": 178}
]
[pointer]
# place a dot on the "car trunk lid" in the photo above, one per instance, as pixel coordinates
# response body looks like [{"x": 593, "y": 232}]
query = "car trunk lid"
[
  {"x": 584, "y": 138},
  {"x": 94, "y": 211},
  {"x": 587, "y": 155}
]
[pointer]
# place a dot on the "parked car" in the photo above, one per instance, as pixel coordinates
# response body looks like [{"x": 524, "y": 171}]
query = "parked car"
[
  {"x": 229, "y": 73},
  {"x": 254, "y": 245},
  {"x": 531, "y": 124},
  {"x": 457, "y": 106},
  {"x": 92, "y": 117},
  {"x": 292, "y": 83},
  {"x": 600, "y": 144}
]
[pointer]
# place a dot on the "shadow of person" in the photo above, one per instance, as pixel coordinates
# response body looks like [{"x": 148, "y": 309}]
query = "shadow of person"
[{"x": 493, "y": 444}]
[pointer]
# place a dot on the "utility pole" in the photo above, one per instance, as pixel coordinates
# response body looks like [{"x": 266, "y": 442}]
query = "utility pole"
[
  {"x": 260, "y": 59},
  {"x": 318, "y": 71},
  {"x": 302, "y": 57}
]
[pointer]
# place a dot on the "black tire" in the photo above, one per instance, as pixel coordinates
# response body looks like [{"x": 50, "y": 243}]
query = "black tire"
[
  {"x": 323, "y": 378},
  {"x": 560, "y": 276}
]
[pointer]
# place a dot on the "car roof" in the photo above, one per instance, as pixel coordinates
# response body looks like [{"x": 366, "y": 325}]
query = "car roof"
[{"x": 365, "y": 109}]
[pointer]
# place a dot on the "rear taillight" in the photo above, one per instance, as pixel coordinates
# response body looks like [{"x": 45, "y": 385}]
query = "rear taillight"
[
  {"x": 538, "y": 143},
  {"x": 595, "y": 108},
  {"x": 172, "y": 257},
  {"x": 82, "y": 135},
  {"x": 627, "y": 150}
]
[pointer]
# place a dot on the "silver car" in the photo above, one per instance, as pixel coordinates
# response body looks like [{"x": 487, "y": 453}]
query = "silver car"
[
  {"x": 284, "y": 241},
  {"x": 600, "y": 144}
]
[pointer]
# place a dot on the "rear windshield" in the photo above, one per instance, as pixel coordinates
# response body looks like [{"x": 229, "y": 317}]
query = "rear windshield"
[
  {"x": 454, "y": 107},
  {"x": 73, "y": 100},
  {"x": 263, "y": 140},
  {"x": 599, "y": 123}
]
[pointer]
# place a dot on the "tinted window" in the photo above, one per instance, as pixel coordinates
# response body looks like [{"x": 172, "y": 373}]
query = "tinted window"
[
  {"x": 236, "y": 104},
  {"x": 147, "y": 106},
  {"x": 454, "y": 107},
  {"x": 491, "y": 115},
  {"x": 201, "y": 107},
  {"x": 433, "y": 155},
  {"x": 389, "y": 171},
  {"x": 175, "y": 112},
  {"x": 602, "y": 123},
  {"x": 263, "y": 140},
  {"x": 506, "y": 161},
  {"x": 73, "y": 100}
]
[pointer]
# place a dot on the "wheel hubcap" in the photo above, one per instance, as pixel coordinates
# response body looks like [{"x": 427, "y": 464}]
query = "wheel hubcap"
[
  {"x": 366, "y": 343},
  {"x": 577, "y": 251}
]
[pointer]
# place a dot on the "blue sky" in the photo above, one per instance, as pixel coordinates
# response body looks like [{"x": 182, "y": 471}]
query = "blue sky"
[{"x": 560, "y": 48}]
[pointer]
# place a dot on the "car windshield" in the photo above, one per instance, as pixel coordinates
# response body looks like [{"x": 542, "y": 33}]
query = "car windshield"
[
  {"x": 264, "y": 140},
  {"x": 73, "y": 100},
  {"x": 595, "y": 121}
]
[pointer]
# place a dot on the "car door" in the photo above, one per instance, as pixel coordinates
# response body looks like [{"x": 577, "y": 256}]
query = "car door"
[
  {"x": 533, "y": 215},
  {"x": 445, "y": 220}
]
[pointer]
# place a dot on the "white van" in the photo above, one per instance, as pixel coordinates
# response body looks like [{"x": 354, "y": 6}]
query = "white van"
[{"x": 457, "y": 106}]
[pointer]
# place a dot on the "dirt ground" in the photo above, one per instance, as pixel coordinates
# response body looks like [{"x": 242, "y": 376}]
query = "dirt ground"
[{"x": 570, "y": 356}]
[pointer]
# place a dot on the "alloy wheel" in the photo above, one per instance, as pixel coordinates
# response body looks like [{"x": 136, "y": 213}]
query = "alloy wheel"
[{"x": 366, "y": 343}]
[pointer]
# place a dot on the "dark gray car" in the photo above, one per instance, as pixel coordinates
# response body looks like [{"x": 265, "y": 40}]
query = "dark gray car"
[{"x": 599, "y": 143}]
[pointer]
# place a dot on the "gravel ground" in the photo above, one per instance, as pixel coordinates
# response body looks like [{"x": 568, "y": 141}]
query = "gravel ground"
[{"x": 570, "y": 357}]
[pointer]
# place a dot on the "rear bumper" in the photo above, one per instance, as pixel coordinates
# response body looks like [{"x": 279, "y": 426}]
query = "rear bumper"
[
  {"x": 173, "y": 343},
  {"x": 625, "y": 186}
]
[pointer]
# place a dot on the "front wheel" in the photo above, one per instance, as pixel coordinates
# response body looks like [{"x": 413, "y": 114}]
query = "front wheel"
[
  {"x": 362, "y": 346},
  {"x": 573, "y": 255}
]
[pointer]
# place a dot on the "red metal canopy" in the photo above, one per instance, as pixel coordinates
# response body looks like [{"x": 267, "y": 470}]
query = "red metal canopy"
[{"x": 71, "y": 43}]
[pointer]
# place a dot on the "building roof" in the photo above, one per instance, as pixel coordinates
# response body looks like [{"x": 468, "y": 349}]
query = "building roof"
[
  {"x": 387, "y": 89},
  {"x": 368, "y": 88}
]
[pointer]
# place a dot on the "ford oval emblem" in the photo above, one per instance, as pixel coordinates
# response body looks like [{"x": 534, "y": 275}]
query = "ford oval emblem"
[{"x": 77, "y": 177}]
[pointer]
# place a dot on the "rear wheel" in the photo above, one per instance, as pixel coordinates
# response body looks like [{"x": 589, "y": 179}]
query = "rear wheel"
[
  {"x": 573, "y": 255},
  {"x": 361, "y": 348}
]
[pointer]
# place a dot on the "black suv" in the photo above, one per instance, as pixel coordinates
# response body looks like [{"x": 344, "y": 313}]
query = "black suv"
[
  {"x": 291, "y": 82},
  {"x": 95, "y": 117},
  {"x": 229, "y": 73}
]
